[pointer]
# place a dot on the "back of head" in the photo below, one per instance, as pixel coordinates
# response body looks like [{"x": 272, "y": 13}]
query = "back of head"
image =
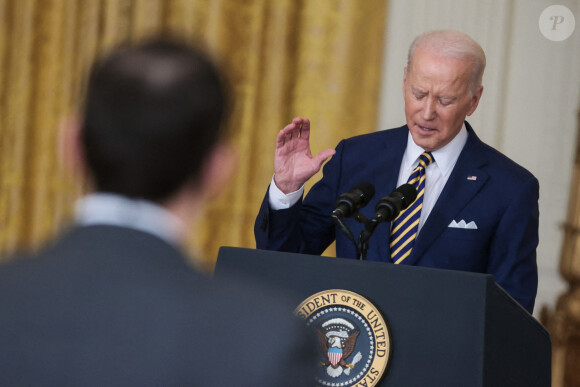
[
  {"x": 153, "y": 113},
  {"x": 454, "y": 44}
]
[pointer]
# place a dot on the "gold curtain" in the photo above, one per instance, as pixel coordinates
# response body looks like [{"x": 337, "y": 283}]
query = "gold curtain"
[
  {"x": 319, "y": 59},
  {"x": 564, "y": 321}
]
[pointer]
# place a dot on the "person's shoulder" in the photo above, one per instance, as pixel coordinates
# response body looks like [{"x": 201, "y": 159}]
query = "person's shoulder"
[
  {"x": 15, "y": 266},
  {"x": 494, "y": 161},
  {"x": 379, "y": 135},
  {"x": 251, "y": 298},
  {"x": 378, "y": 139},
  {"x": 268, "y": 310},
  {"x": 260, "y": 321},
  {"x": 503, "y": 165},
  {"x": 23, "y": 282}
]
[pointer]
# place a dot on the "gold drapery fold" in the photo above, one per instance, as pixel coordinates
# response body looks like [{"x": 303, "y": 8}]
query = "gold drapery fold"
[
  {"x": 283, "y": 58},
  {"x": 564, "y": 322}
]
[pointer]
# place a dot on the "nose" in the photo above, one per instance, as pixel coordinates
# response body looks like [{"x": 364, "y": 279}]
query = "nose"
[{"x": 428, "y": 112}]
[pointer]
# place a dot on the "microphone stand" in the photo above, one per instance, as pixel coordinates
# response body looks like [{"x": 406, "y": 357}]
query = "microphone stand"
[
  {"x": 338, "y": 221},
  {"x": 387, "y": 209},
  {"x": 364, "y": 236},
  {"x": 361, "y": 246},
  {"x": 384, "y": 213}
]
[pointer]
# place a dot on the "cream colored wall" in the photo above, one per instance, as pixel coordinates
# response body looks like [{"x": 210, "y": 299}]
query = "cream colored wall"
[{"x": 530, "y": 101}]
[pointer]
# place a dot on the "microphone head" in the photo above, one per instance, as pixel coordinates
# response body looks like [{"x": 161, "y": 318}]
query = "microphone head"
[
  {"x": 348, "y": 203},
  {"x": 389, "y": 207},
  {"x": 407, "y": 193},
  {"x": 365, "y": 190}
]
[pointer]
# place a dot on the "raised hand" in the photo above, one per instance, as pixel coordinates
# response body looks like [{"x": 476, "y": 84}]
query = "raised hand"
[{"x": 293, "y": 161}]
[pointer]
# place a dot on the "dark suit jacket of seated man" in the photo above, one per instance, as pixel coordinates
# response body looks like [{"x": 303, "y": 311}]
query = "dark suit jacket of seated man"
[
  {"x": 113, "y": 301},
  {"x": 485, "y": 219}
]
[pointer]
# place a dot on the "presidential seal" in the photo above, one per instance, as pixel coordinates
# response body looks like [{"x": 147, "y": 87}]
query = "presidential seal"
[{"x": 354, "y": 339}]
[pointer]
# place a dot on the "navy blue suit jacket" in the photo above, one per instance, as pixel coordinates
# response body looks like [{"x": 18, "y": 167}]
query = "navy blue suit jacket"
[
  {"x": 502, "y": 200},
  {"x": 112, "y": 306}
]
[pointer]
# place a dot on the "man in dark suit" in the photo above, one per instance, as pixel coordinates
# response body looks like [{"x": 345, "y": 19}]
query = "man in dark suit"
[
  {"x": 476, "y": 210},
  {"x": 113, "y": 301}
]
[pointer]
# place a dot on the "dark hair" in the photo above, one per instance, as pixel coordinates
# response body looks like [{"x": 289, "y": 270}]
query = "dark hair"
[{"x": 153, "y": 112}]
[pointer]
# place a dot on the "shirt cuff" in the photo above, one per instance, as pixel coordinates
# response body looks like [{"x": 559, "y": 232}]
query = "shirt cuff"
[{"x": 278, "y": 200}]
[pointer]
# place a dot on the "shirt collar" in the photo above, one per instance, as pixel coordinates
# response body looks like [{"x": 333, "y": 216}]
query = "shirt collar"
[
  {"x": 138, "y": 214},
  {"x": 445, "y": 158}
]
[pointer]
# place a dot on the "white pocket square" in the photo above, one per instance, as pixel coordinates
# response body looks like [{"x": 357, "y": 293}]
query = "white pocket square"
[{"x": 461, "y": 224}]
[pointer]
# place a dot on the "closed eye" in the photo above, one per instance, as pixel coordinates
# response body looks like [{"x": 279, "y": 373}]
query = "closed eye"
[
  {"x": 446, "y": 101},
  {"x": 418, "y": 94}
]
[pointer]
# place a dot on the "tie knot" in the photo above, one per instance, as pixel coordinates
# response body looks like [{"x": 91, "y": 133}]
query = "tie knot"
[{"x": 425, "y": 159}]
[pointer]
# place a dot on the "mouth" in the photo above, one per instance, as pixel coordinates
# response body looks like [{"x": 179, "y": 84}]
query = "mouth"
[{"x": 425, "y": 129}]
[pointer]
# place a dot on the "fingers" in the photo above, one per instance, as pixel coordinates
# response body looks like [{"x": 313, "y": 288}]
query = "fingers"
[
  {"x": 293, "y": 130},
  {"x": 285, "y": 135},
  {"x": 298, "y": 128},
  {"x": 305, "y": 129},
  {"x": 280, "y": 139},
  {"x": 301, "y": 127}
]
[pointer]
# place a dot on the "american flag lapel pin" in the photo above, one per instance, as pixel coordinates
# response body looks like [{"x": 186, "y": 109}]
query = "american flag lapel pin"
[{"x": 472, "y": 178}]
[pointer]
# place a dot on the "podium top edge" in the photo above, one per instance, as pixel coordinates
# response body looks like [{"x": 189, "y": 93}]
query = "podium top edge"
[{"x": 226, "y": 250}]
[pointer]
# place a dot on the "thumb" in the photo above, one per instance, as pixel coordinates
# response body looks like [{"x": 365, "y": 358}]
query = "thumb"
[{"x": 322, "y": 156}]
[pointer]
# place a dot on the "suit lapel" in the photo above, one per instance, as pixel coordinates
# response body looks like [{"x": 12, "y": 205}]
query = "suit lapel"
[
  {"x": 386, "y": 176},
  {"x": 458, "y": 191}
]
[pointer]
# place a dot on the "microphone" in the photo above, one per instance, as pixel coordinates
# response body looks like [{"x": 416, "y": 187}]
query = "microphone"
[
  {"x": 389, "y": 207},
  {"x": 348, "y": 203}
]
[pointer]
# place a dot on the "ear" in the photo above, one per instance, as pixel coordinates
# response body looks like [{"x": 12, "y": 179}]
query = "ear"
[
  {"x": 69, "y": 146},
  {"x": 475, "y": 100},
  {"x": 218, "y": 169},
  {"x": 187, "y": 203},
  {"x": 404, "y": 79}
]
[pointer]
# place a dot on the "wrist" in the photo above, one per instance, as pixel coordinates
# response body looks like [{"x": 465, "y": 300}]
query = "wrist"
[{"x": 287, "y": 187}]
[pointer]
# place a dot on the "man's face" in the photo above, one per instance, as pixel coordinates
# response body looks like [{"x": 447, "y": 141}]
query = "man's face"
[{"x": 437, "y": 98}]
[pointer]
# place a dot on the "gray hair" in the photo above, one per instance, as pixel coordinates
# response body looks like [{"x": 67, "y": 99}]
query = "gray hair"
[{"x": 454, "y": 44}]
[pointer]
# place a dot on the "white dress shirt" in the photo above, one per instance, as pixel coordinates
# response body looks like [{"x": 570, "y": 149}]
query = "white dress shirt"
[
  {"x": 116, "y": 210},
  {"x": 437, "y": 172}
]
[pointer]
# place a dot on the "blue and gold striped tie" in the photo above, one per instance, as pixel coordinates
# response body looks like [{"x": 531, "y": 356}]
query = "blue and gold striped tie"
[{"x": 405, "y": 227}]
